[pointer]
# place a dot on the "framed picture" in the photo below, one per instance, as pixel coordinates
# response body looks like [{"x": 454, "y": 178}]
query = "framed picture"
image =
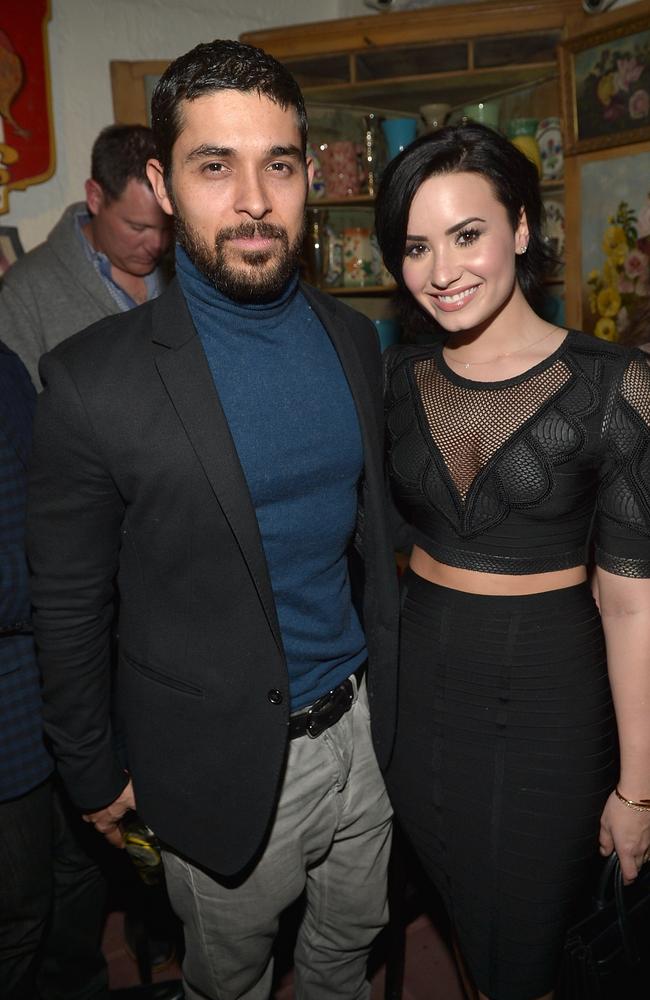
[
  {"x": 26, "y": 124},
  {"x": 614, "y": 235},
  {"x": 10, "y": 247},
  {"x": 132, "y": 84},
  {"x": 606, "y": 86}
]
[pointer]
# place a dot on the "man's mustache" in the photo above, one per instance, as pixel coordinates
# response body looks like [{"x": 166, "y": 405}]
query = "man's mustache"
[{"x": 248, "y": 230}]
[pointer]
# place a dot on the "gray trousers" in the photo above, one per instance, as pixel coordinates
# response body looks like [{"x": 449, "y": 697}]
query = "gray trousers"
[{"x": 331, "y": 836}]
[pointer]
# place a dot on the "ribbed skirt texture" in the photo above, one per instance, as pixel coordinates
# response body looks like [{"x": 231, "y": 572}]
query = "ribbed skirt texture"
[{"x": 505, "y": 754}]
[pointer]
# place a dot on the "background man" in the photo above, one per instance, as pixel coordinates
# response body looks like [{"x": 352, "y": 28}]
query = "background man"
[
  {"x": 213, "y": 452},
  {"x": 101, "y": 258},
  {"x": 25, "y": 793}
]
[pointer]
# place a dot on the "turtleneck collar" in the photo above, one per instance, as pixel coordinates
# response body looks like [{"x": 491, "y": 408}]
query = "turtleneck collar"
[{"x": 203, "y": 294}]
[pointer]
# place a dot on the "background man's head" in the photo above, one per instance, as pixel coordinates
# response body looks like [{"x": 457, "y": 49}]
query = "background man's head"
[{"x": 127, "y": 224}]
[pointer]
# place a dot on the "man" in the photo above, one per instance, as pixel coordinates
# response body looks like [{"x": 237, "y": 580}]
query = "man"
[
  {"x": 212, "y": 452},
  {"x": 101, "y": 258},
  {"x": 25, "y": 793}
]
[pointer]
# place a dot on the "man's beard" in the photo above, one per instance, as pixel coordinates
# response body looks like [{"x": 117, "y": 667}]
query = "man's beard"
[{"x": 253, "y": 279}]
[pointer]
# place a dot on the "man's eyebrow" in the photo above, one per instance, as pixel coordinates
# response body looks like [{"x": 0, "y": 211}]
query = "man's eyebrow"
[
  {"x": 223, "y": 152},
  {"x": 290, "y": 150},
  {"x": 200, "y": 152}
]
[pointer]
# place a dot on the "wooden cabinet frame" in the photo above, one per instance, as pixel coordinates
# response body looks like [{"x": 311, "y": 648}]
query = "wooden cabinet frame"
[
  {"x": 350, "y": 34},
  {"x": 348, "y": 38}
]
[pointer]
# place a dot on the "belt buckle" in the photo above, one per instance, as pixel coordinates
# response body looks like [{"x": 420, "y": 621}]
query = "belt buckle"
[
  {"x": 315, "y": 728},
  {"x": 330, "y": 709},
  {"x": 315, "y": 725}
]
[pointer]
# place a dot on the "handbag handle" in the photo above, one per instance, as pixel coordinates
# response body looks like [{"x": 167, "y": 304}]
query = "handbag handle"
[{"x": 612, "y": 873}]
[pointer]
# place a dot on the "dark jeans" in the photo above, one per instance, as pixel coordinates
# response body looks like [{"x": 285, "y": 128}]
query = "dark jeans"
[
  {"x": 73, "y": 966},
  {"x": 54, "y": 873},
  {"x": 25, "y": 888}
]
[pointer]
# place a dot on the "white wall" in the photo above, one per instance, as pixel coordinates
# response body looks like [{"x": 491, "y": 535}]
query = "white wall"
[
  {"x": 84, "y": 35},
  {"x": 357, "y": 8}
]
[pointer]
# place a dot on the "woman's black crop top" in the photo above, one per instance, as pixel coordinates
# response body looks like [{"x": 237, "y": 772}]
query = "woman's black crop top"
[{"x": 520, "y": 476}]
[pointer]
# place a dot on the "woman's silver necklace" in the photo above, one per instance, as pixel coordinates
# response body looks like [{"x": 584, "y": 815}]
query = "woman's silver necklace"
[{"x": 518, "y": 350}]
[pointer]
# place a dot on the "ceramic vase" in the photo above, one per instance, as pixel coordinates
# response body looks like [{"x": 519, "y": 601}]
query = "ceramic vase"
[
  {"x": 399, "y": 132},
  {"x": 340, "y": 164},
  {"x": 333, "y": 276},
  {"x": 521, "y": 132},
  {"x": 485, "y": 112},
  {"x": 549, "y": 141},
  {"x": 315, "y": 247},
  {"x": 388, "y": 330},
  {"x": 357, "y": 257},
  {"x": 434, "y": 115},
  {"x": 317, "y": 189}
]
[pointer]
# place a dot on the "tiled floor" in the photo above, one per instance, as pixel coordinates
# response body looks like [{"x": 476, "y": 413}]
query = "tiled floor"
[{"x": 429, "y": 969}]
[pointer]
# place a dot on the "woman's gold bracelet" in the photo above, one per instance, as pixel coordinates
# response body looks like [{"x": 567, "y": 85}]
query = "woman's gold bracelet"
[{"x": 642, "y": 806}]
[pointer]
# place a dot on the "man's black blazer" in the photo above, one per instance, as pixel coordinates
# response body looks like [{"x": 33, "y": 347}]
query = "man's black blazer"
[{"x": 136, "y": 481}]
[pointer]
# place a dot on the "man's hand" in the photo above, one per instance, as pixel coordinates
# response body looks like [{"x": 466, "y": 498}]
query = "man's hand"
[{"x": 107, "y": 820}]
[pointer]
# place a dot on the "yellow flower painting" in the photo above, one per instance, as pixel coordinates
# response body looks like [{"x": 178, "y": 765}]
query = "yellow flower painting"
[{"x": 618, "y": 291}]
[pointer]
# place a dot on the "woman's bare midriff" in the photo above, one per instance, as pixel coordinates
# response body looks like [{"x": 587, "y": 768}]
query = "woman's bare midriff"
[{"x": 496, "y": 584}]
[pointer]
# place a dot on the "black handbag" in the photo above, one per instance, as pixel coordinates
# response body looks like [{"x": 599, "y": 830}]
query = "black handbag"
[{"x": 607, "y": 954}]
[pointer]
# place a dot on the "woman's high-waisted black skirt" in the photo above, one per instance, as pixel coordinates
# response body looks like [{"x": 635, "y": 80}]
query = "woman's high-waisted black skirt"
[{"x": 504, "y": 758}]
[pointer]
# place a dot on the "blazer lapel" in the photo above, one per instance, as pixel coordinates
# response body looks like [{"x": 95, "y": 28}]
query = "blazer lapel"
[{"x": 184, "y": 370}]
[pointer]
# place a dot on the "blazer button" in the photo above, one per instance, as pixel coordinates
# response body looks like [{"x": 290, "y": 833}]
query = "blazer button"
[{"x": 275, "y": 696}]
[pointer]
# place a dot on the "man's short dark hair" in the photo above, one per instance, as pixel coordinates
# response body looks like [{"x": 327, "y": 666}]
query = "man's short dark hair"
[
  {"x": 120, "y": 154},
  {"x": 213, "y": 66}
]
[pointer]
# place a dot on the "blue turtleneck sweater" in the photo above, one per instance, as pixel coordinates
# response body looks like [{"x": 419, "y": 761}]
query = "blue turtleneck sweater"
[{"x": 295, "y": 427}]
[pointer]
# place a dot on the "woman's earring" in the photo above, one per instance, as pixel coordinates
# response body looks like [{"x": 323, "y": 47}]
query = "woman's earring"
[{"x": 523, "y": 249}]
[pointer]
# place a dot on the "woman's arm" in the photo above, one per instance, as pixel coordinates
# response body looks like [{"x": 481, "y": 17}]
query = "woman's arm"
[{"x": 625, "y": 610}]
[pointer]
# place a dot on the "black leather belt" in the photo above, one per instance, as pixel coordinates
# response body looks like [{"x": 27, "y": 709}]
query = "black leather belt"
[{"x": 325, "y": 711}]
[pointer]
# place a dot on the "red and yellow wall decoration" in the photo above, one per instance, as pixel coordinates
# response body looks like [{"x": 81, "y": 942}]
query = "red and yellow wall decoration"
[{"x": 26, "y": 134}]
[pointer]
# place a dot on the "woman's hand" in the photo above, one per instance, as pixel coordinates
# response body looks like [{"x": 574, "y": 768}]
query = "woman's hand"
[{"x": 626, "y": 831}]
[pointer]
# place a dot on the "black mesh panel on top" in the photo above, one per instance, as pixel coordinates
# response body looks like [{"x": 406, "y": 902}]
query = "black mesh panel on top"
[
  {"x": 469, "y": 424},
  {"x": 634, "y": 387}
]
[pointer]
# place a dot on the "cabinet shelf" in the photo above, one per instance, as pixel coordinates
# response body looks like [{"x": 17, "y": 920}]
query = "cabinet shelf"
[
  {"x": 374, "y": 290},
  {"x": 407, "y": 92},
  {"x": 368, "y": 200},
  {"x": 356, "y": 200}
]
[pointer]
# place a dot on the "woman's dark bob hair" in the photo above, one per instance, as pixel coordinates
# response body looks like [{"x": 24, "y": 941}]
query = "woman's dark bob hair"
[{"x": 475, "y": 149}]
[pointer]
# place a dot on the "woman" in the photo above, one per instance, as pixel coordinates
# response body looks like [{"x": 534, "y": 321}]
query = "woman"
[{"x": 512, "y": 444}]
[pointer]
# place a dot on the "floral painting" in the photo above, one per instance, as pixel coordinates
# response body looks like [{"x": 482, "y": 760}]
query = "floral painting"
[
  {"x": 616, "y": 248},
  {"x": 607, "y": 87}
]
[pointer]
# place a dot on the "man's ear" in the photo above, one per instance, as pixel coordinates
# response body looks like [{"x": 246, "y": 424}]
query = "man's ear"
[
  {"x": 157, "y": 181},
  {"x": 94, "y": 196}
]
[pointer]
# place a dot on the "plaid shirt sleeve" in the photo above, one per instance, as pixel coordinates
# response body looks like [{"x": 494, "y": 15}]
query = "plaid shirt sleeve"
[{"x": 24, "y": 761}]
